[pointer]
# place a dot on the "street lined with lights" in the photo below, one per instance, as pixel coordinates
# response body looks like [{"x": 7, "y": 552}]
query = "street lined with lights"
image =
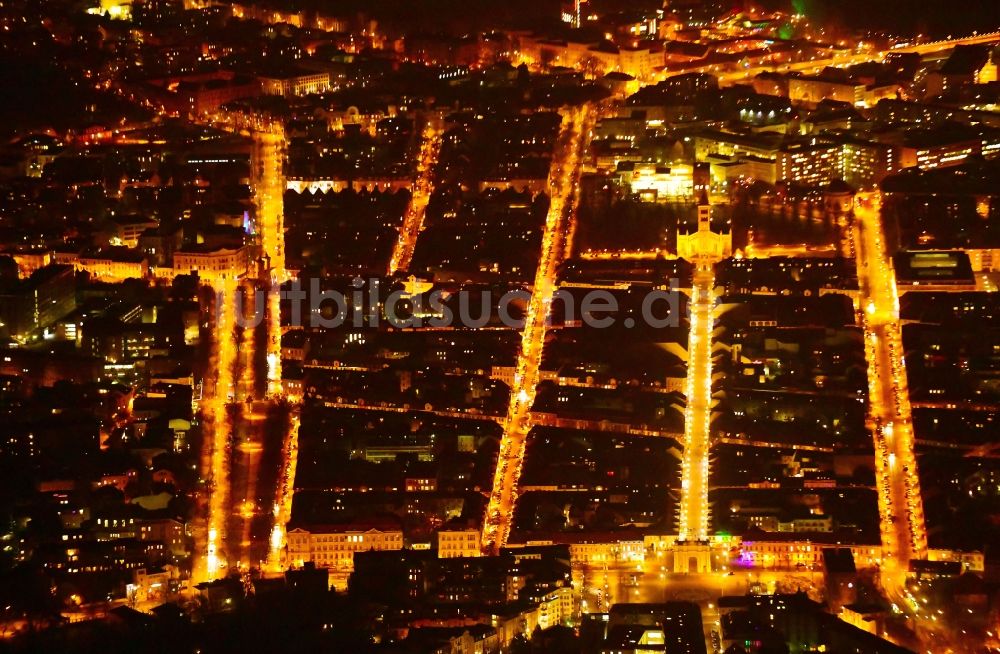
[
  {"x": 694, "y": 506},
  {"x": 270, "y": 146},
  {"x": 903, "y": 531},
  {"x": 564, "y": 177},
  {"x": 217, "y": 394},
  {"x": 423, "y": 188},
  {"x": 900, "y": 503},
  {"x": 232, "y": 369}
]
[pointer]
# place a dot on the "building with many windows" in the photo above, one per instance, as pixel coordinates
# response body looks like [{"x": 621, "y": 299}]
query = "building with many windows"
[
  {"x": 769, "y": 158},
  {"x": 36, "y": 302},
  {"x": 813, "y": 164},
  {"x": 333, "y": 546},
  {"x": 951, "y": 146},
  {"x": 296, "y": 82},
  {"x": 813, "y": 90},
  {"x": 460, "y": 542},
  {"x": 110, "y": 264},
  {"x": 866, "y": 163},
  {"x": 555, "y": 607},
  {"x": 212, "y": 262}
]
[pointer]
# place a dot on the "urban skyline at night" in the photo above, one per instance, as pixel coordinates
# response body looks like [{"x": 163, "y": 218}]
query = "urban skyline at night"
[{"x": 572, "y": 326}]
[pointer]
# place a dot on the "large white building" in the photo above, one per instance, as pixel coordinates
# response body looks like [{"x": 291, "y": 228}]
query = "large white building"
[
  {"x": 333, "y": 546},
  {"x": 657, "y": 183},
  {"x": 459, "y": 542},
  {"x": 296, "y": 83},
  {"x": 555, "y": 608},
  {"x": 212, "y": 262},
  {"x": 111, "y": 264}
]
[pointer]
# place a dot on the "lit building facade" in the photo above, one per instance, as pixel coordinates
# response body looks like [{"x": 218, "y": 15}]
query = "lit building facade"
[
  {"x": 302, "y": 83},
  {"x": 463, "y": 542},
  {"x": 216, "y": 262},
  {"x": 555, "y": 608},
  {"x": 775, "y": 552},
  {"x": 114, "y": 264},
  {"x": 656, "y": 183},
  {"x": 813, "y": 90},
  {"x": 813, "y": 165},
  {"x": 938, "y": 155},
  {"x": 865, "y": 163},
  {"x": 704, "y": 241},
  {"x": 334, "y": 546}
]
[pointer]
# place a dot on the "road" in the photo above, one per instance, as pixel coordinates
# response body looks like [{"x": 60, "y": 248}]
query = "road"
[
  {"x": 269, "y": 190},
  {"x": 269, "y": 149},
  {"x": 218, "y": 390},
  {"x": 248, "y": 448},
  {"x": 726, "y": 75},
  {"x": 564, "y": 177},
  {"x": 694, "y": 506},
  {"x": 901, "y": 507},
  {"x": 236, "y": 404},
  {"x": 282, "y": 509},
  {"x": 904, "y": 534},
  {"x": 423, "y": 188}
]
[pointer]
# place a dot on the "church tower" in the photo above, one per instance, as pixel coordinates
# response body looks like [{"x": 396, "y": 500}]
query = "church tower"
[{"x": 704, "y": 243}]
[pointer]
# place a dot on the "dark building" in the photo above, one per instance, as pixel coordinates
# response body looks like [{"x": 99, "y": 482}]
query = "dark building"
[
  {"x": 36, "y": 302},
  {"x": 673, "y": 627},
  {"x": 965, "y": 66},
  {"x": 934, "y": 268},
  {"x": 765, "y": 622}
]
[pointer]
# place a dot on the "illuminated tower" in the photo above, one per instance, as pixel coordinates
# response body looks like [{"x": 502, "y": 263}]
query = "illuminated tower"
[
  {"x": 988, "y": 73},
  {"x": 704, "y": 242},
  {"x": 572, "y": 12}
]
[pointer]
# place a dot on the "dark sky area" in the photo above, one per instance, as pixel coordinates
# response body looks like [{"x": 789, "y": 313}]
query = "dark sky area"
[{"x": 936, "y": 17}]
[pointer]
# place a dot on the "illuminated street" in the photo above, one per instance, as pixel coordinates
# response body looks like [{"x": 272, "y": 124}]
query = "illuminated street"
[
  {"x": 904, "y": 535},
  {"x": 247, "y": 453},
  {"x": 694, "y": 506},
  {"x": 577, "y": 327},
  {"x": 423, "y": 188},
  {"x": 841, "y": 60},
  {"x": 282, "y": 510},
  {"x": 563, "y": 188},
  {"x": 236, "y": 448},
  {"x": 900, "y": 502},
  {"x": 270, "y": 185},
  {"x": 269, "y": 189},
  {"x": 219, "y": 390}
]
